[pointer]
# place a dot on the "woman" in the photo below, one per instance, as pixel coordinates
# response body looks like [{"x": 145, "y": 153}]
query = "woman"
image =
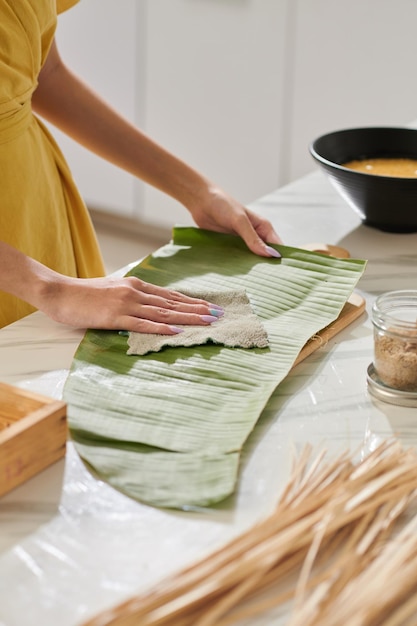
[{"x": 49, "y": 254}]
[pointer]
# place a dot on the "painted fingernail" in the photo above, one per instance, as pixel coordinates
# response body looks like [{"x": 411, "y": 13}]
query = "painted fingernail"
[
  {"x": 273, "y": 252},
  {"x": 175, "y": 329},
  {"x": 216, "y": 312},
  {"x": 216, "y": 306},
  {"x": 209, "y": 318}
]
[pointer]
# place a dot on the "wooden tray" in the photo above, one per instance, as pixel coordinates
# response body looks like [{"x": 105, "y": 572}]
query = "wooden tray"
[{"x": 33, "y": 434}]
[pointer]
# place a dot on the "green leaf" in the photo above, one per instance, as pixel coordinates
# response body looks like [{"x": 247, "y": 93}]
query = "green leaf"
[{"x": 192, "y": 409}]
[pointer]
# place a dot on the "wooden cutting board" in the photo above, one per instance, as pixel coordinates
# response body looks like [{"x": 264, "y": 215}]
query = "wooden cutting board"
[{"x": 354, "y": 307}]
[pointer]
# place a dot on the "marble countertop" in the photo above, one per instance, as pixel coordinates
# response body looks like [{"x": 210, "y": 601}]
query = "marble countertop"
[{"x": 70, "y": 546}]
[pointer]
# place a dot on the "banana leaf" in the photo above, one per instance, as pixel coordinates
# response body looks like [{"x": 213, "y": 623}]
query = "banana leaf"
[{"x": 168, "y": 427}]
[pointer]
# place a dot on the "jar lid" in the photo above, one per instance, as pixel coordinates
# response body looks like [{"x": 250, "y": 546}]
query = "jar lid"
[{"x": 388, "y": 394}]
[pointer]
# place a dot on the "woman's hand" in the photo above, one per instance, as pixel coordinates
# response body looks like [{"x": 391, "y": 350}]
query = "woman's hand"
[
  {"x": 110, "y": 303},
  {"x": 123, "y": 304},
  {"x": 220, "y": 212}
]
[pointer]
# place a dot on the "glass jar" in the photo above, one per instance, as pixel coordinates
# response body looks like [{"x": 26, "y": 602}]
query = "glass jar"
[{"x": 394, "y": 318}]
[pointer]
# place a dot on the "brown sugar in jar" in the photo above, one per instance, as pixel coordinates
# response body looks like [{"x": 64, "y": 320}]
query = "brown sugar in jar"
[{"x": 394, "y": 317}]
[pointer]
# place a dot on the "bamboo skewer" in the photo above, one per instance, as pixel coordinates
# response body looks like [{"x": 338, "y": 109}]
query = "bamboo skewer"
[{"x": 325, "y": 537}]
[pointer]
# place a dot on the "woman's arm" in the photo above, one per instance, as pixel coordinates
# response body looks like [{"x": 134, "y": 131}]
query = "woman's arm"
[
  {"x": 109, "y": 303},
  {"x": 68, "y": 103}
]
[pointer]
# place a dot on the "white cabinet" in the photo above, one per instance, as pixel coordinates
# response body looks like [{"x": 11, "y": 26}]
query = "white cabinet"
[
  {"x": 237, "y": 88},
  {"x": 214, "y": 92},
  {"x": 98, "y": 41}
]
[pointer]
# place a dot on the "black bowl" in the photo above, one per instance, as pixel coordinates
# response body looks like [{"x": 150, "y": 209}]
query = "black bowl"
[{"x": 385, "y": 202}]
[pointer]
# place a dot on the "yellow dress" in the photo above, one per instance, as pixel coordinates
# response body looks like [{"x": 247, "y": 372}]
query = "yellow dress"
[{"x": 41, "y": 211}]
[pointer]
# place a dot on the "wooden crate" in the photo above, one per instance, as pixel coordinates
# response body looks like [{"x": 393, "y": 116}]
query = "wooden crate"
[{"x": 33, "y": 435}]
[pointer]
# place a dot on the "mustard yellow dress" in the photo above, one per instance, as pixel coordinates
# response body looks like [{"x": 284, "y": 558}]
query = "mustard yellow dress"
[{"x": 41, "y": 211}]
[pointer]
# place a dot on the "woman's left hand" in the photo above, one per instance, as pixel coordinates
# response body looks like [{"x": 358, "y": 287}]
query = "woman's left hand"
[{"x": 222, "y": 213}]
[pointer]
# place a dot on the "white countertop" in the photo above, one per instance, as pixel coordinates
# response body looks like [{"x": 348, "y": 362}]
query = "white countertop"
[{"x": 71, "y": 546}]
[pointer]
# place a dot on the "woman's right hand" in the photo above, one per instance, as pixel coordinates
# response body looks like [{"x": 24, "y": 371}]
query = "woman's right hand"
[
  {"x": 109, "y": 303},
  {"x": 122, "y": 304}
]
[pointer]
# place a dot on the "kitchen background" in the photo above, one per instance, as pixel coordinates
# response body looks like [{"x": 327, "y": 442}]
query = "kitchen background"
[{"x": 238, "y": 88}]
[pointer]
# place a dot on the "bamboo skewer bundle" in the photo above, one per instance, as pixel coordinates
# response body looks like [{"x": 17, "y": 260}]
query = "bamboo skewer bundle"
[
  {"x": 384, "y": 592},
  {"x": 318, "y": 554}
]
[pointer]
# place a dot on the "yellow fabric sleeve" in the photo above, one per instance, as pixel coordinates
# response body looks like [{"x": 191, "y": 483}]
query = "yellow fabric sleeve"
[{"x": 63, "y": 5}]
